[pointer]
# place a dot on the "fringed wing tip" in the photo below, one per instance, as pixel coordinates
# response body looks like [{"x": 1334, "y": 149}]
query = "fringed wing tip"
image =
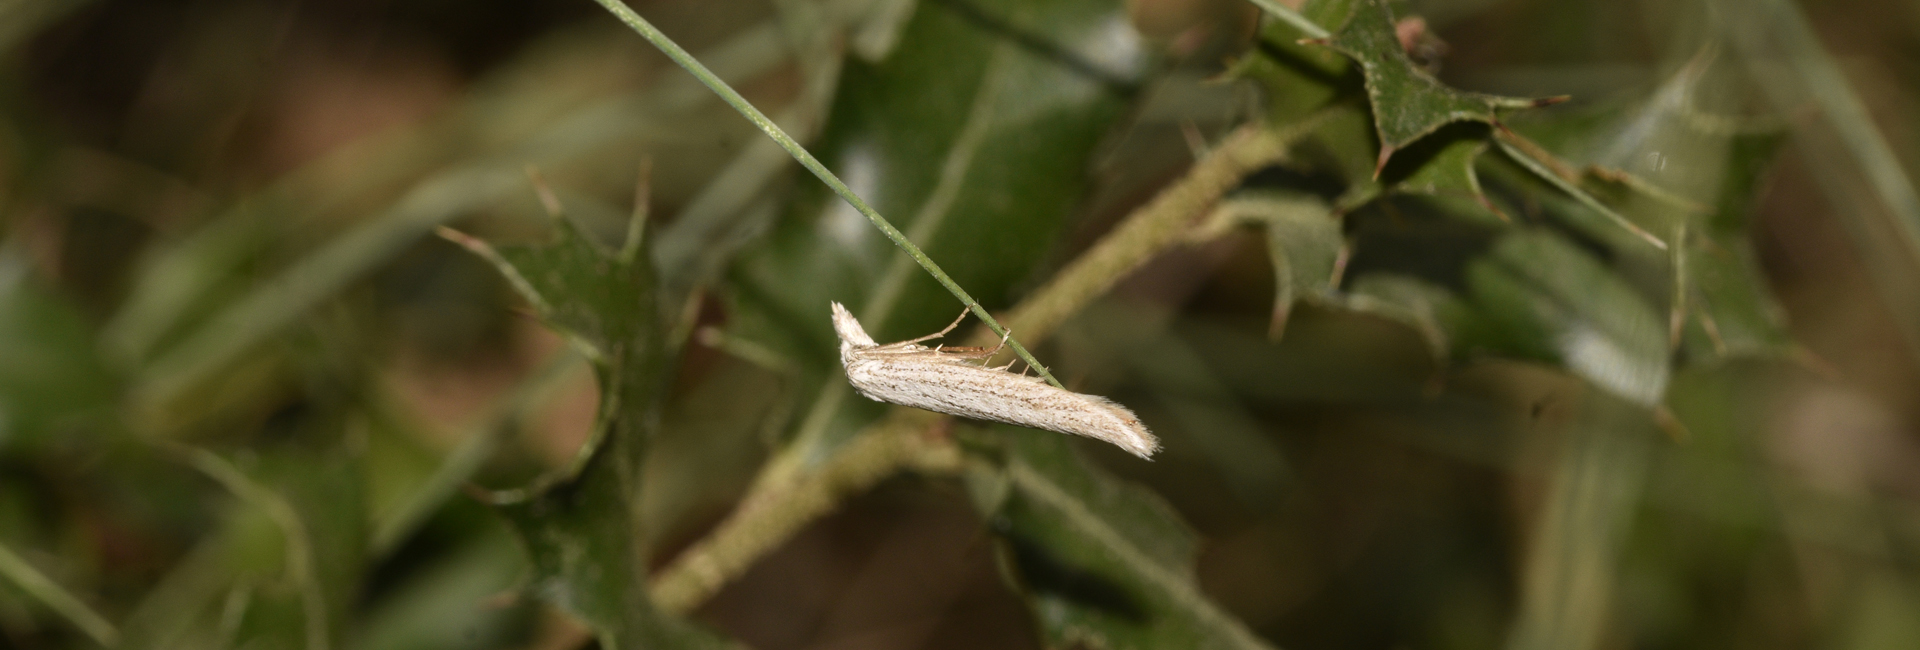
[
  {"x": 848, "y": 327},
  {"x": 1141, "y": 442}
]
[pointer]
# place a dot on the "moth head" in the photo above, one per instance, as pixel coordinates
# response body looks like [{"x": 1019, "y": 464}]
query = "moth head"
[{"x": 850, "y": 331}]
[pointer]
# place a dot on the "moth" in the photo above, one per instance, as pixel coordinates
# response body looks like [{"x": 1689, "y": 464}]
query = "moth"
[{"x": 952, "y": 380}]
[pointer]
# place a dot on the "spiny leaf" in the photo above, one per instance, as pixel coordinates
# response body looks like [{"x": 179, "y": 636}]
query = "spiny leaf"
[
  {"x": 1299, "y": 78},
  {"x": 1443, "y": 167},
  {"x": 1303, "y": 243},
  {"x": 1667, "y": 164},
  {"x": 1714, "y": 295},
  {"x": 582, "y": 527},
  {"x": 1408, "y": 103},
  {"x": 1101, "y": 564}
]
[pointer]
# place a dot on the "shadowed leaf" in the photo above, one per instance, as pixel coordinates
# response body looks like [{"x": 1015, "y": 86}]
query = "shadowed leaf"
[
  {"x": 1303, "y": 244},
  {"x": 1434, "y": 312},
  {"x": 582, "y": 527},
  {"x": 1443, "y": 168},
  {"x": 1100, "y": 563},
  {"x": 1298, "y": 77},
  {"x": 1731, "y": 310}
]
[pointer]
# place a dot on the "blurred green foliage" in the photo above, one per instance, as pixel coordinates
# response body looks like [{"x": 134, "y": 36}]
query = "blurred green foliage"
[{"x": 1457, "y": 370}]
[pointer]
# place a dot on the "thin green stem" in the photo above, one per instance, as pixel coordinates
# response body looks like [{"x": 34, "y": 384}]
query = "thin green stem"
[
  {"x": 34, "y": 583},
  {"x": 1292, "y": 17},
  {"x": 799, "y": 153},
  {"x": 299, "y": 544}
]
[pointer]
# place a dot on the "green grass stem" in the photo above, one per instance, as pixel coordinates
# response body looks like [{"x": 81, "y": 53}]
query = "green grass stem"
[
  {"x": 799, "y": 153},
  {"x": 36, "y": 584}
]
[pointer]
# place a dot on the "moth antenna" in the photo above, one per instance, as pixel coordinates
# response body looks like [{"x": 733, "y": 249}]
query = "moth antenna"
[
  {"x": 1003, "y": 343},
  {"x": 935, "y": 335}
]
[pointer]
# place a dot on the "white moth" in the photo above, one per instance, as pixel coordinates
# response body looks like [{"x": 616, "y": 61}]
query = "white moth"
[{"x": 947, "y": 380}]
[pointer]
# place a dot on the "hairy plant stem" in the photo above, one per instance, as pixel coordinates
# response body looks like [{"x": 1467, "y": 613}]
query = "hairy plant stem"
[
  {"x": 785, "y": 497},
  {"x": 1150, "y": 229},
  {"x": 906, "y": 439},
  {"x": 806, "y": 159}
]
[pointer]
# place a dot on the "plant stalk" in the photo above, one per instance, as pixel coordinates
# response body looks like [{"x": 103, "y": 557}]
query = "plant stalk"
[{"x": 799, "y": 153}]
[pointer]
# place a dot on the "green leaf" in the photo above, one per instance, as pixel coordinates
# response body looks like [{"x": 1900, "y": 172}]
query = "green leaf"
[
  {"x": 446, "y": 604},
  {"x": 1298, "y": 77},
  {"x": 1551, "y": 300},
  {"x": 241, "y": 327},
  {"x": 1665, "y": 163},
  {"x": 1408, "y": 103},
  {"x": 281, "y": 563},
  {"x": 1529, "y": 186},
  {"x": 49, "y": 373},
  {"x": 973, "y": 136},
  {"x": 1100, "y": 563},
  {"x": 1439, "y": 316},
  {"x": 322, "y": 486},
  {"x": 1731, "y": 311},
  {"x": 582, "y": 527},
  {"x": 1444, "y": 169},
  {"x": 1303, "y": 243},
  {"x": 1342, "y": 144}
]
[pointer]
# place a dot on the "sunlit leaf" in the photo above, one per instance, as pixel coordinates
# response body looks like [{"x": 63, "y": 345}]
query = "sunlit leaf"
[{"x": 1554, "y": 301}]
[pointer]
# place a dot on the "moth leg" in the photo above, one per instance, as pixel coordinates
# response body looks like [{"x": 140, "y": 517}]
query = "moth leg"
[
  {"x": 963, "y": 352},
  {"x": 935, "y": 335},
  {"x": 1003, "y": 343},
  {"x": 985, "y": 354}
]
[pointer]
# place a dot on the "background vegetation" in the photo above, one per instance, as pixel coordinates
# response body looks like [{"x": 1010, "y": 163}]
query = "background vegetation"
[{"x": 1464, "y": 323}]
